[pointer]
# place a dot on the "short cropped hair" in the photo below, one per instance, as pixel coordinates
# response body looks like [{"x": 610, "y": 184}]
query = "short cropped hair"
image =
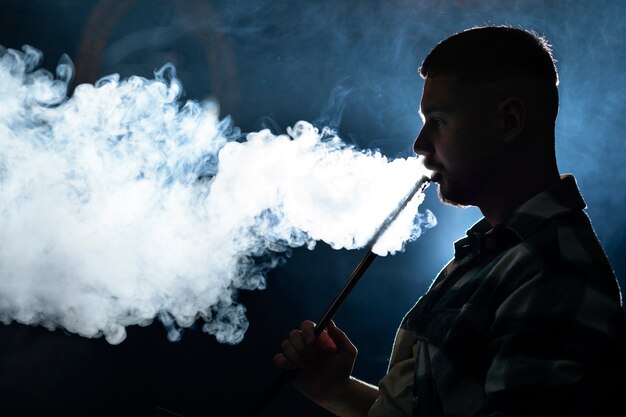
[{"x": 493, "y": 53}]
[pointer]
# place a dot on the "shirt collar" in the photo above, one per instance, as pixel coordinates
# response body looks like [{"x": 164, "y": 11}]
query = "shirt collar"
[{"x": 561, "y": 198}]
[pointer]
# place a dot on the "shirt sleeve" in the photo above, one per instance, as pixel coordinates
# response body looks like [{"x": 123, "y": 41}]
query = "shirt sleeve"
[{"x": 396, "y": 387}]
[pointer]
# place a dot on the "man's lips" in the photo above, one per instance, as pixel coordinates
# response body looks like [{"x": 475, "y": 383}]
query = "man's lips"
[{"x": 435, "y": 168}]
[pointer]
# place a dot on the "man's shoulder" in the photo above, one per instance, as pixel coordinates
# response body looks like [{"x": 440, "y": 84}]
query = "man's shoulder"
[
  {"x": 568, "y": 239},
  {"x": 567, "y": 246},
  {"x": 556, "y": 236}
]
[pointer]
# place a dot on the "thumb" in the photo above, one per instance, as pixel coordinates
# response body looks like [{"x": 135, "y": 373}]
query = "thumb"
[{"x": 341, "y": 340}]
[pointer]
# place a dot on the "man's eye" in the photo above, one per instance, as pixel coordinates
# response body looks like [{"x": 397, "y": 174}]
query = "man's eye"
[{"x": 437, "y": 122}]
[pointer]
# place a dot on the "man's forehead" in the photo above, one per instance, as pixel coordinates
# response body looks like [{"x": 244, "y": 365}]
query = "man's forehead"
[
  {"x": 436, "y": 96},
  {"x": 443, "y": 93}
]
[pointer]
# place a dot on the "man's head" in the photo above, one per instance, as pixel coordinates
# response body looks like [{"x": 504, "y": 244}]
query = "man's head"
[
  {"x": 496, "y": 53},
  {"x": 489, "y": 106}
]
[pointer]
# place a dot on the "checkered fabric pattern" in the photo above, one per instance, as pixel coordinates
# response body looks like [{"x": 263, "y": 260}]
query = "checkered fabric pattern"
[{"x": 524, "y": 321}]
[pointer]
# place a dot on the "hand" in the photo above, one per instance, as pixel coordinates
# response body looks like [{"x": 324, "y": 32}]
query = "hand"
[{"x": 320, "y": 368}]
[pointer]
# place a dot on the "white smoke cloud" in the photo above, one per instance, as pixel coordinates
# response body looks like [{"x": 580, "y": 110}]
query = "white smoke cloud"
[{"x": 120, "y": 204}]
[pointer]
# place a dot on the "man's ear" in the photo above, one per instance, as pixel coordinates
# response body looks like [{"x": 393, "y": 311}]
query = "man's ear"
[{"x": 513, "y": 118}]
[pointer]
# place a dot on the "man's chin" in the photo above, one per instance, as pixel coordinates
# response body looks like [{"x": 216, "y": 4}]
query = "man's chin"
[
  {"x": 437, "y": 177},
  {"x": 448, "y": 197}
]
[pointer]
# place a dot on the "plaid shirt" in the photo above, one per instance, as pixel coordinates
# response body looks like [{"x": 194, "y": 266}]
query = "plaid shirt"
[{"x": 515, "y": 324}]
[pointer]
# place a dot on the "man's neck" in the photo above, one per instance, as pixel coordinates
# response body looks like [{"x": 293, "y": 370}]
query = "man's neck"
[{"x": 507, "y": 194}]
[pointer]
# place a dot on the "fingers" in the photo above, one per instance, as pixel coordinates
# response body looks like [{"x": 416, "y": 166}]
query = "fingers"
[
  {"x": 341, "y": 340},
  {"x": 308, "y": 330},
  {"x": 282, "y": 362},
  {"x": 297, "y": 349},
  {"x": 301, "y": 348}
]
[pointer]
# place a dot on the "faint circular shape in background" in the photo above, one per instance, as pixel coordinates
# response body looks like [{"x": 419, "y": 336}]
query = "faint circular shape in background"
[{"x": 136, "y": 37}]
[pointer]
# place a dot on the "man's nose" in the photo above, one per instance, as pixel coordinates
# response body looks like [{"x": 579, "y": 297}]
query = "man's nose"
[{"x": 422, "y": 145}]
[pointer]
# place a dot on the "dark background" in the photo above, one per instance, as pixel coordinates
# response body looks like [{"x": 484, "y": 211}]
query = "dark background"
[{"x": 348, "y": 64}]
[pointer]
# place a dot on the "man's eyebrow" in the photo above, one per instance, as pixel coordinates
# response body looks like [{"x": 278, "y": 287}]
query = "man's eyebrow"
[{"x": 423, "y": 111}]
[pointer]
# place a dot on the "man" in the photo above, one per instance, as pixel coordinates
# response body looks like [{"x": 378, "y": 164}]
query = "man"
[{"x": 526, "y": 320}]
